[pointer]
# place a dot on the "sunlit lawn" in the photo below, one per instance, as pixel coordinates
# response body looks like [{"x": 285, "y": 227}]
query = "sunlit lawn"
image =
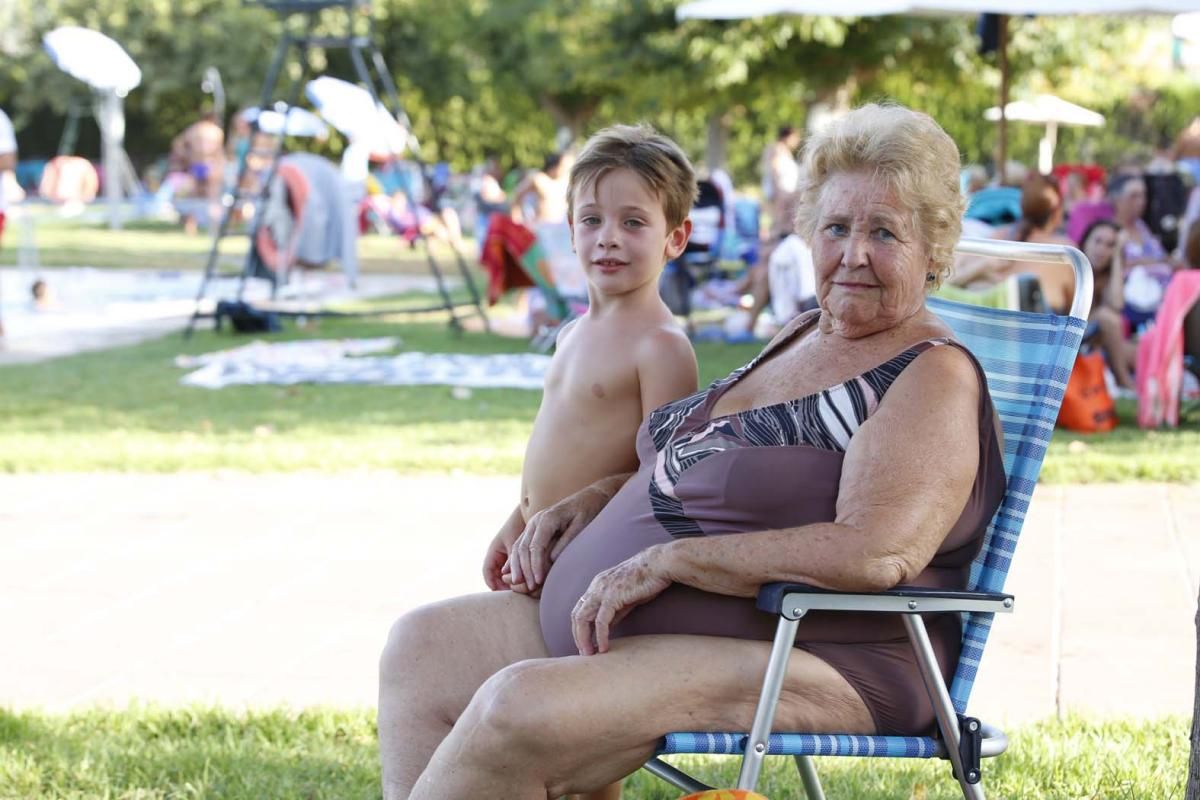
[
  {"x": 125, "y": 410},
  {"x": 214, "y": 753},
  {"x": 162, "y": 245}
]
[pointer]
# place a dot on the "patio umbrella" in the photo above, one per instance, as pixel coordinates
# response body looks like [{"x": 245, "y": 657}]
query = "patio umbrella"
[
  {"x": 359, "y": 116},
  {"x": 742, "y": 9},
  {"x": 104, "y": 65},
  {"x": 1051, "y": 111},
  {"x": 93, "y": 58},
  {"x": 288, "y": 122}
]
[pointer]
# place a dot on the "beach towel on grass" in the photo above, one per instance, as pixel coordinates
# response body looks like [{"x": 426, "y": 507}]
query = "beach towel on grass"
[{"x": 350, "y": 361}]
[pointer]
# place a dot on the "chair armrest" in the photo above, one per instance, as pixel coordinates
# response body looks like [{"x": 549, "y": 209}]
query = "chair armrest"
[{"x": 793, "y": 600}]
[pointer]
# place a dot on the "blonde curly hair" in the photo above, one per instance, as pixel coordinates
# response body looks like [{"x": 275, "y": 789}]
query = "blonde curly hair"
[{"x": 911, "y": 153}]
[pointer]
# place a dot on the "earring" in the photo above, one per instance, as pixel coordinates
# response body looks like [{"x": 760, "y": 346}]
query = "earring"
[{"x": 930, "y": 277}]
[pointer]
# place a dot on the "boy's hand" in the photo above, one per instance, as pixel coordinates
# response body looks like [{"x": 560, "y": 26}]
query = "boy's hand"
[
  {"x": 519, "y": 588},
  {"x": 497, "y": 552}
]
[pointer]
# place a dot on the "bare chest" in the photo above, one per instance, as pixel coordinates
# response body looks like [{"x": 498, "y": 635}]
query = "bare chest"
[{"x": 593, "y": 373}]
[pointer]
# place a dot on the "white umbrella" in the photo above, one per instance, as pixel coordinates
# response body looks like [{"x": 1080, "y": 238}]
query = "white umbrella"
[
  {"x": 1187, "y": 26},
  {"x": 744, "y": 9},
  {"x": 353, "y": 111},
  {"x": 1051, "y": 111},
  {"x": 289, "y": 122},
  {"x": 104, "y": 65},
  {"x": 93, "y": 58}
]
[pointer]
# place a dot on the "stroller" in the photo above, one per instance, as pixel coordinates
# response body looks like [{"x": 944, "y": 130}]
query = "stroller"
[{"x": 702, "y": 253}]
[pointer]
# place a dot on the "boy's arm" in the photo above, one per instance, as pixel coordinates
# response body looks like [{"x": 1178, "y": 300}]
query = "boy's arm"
[
  {"x": 499, "y": 548},
  {"x": 666, "y": 368},
  {"x": 561, "y": 336}
]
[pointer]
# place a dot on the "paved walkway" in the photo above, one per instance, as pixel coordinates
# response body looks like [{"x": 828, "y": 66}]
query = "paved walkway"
[{"x": 257, "y": 590}]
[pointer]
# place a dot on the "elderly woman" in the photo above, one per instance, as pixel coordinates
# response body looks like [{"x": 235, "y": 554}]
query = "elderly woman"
[{"x": 857, "y": 452}]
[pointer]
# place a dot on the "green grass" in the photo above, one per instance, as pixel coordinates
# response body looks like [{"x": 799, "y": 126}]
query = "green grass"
[
  {"x": 160, "y": 245},
  {"x": 124, "y": 410},
  {"x": 1125, "y": 454},
  {"x": 146, "y": 753}
]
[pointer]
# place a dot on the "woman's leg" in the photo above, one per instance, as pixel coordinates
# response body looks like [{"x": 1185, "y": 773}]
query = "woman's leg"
[
  {"x": 435, "y": 659},
  {"x": 548, "y": 727}
]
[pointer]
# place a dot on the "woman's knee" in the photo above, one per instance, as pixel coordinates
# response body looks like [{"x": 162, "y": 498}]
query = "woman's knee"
[
  {"x": 523, "y": 707},
  {"x": 418, "y": 634},
  {"x": 1108, "y": 319}
]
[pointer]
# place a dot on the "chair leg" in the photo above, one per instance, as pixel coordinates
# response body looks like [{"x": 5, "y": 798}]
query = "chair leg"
[
  {"x": 943, "y": 708},
  {"x": 764, "y": 715},
  {"x": 809, "y": 777},
  {"x": 674, "y": 776}
]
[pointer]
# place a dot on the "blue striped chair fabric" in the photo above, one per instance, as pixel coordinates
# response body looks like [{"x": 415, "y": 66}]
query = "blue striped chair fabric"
[{"x": 1028, "y": 360}]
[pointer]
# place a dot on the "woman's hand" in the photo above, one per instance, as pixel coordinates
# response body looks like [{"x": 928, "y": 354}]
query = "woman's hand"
[
  {"x": 613, "y": 594},
  {"x": 548, "y": 532}
]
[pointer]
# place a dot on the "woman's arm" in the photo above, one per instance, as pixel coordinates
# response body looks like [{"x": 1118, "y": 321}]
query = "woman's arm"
[
  {"x": 906, "y": 478},
  {"x": 1114, "y": 295},
  {"x": 973, "y": 270}
]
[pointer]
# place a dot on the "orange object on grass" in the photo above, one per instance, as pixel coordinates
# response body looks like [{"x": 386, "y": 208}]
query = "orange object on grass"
[
  {"x": 1086, "y": 405},
  {"x": 725, "y": 794}
]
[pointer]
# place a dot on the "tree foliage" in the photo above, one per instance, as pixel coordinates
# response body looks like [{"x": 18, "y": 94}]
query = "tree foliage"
[{"x": 517, "y": 77}]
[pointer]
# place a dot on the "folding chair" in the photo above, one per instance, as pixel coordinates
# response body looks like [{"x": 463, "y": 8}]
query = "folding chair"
[{"x": 1027, "y": 358}]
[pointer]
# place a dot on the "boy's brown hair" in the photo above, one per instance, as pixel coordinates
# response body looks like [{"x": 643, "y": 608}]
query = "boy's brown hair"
[{"x": 653, "y": 157}]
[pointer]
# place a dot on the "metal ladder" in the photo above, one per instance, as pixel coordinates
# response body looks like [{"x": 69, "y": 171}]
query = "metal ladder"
[{"x": 299, "y": 19}]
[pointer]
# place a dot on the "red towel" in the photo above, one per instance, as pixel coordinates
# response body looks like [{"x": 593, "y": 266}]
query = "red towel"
[{"x": 504, "y": 249}]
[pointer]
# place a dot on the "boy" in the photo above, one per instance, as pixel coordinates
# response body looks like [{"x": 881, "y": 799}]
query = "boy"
[{"x": 628, "y": 199}]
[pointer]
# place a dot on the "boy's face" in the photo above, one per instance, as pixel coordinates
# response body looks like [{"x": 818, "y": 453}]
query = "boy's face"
[{"x": 620, "y": 233}]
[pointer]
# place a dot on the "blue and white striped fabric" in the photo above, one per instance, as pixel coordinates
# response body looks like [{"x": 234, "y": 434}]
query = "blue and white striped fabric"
[
  {"x": 804, "y": 744},
  {"x": 1028, "y": 359}
]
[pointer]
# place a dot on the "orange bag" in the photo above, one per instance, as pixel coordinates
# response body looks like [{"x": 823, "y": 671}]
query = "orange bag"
[
  {"x": 725, "y": 794},
  {"x": 1087, "y": 406}
]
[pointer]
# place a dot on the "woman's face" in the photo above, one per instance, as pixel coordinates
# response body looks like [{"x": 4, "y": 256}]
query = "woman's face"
[
  {"x": 1131, "y": 202},
  {"x": 871, "y": 260},
  {"x": 1099, "y": 247}
]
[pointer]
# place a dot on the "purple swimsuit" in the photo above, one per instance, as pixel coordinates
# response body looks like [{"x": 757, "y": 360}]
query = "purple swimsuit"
[{"x": 770, "y": 468}]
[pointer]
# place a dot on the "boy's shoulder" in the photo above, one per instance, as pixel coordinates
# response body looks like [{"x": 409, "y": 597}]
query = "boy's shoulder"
[
  {"x": 646, "y": 338},
  {"x": 664, "y": 350}
]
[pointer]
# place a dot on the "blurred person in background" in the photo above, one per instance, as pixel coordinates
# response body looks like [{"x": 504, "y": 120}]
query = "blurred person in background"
[{"x": 8, "y": 163}]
